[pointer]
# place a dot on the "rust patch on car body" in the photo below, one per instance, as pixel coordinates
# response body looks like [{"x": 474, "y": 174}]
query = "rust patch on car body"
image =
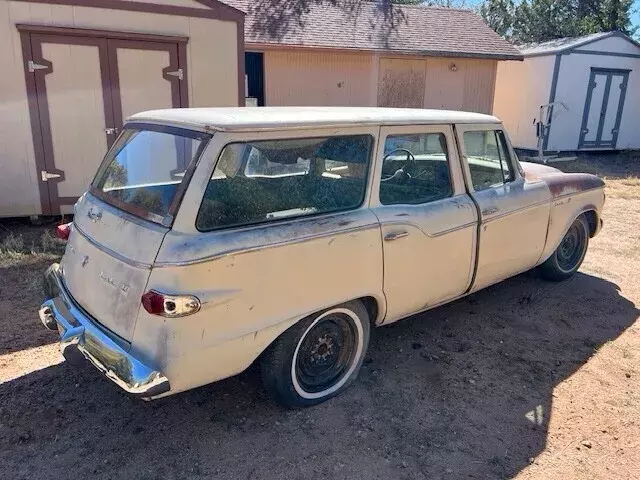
[{"x": 561, "y": 184}]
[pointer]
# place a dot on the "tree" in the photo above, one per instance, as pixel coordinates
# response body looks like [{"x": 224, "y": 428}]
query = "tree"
[
  {"x": 542, "y": 20},
  {"x": 605, "y": 16},
  {"x": 499, "y": 15}
]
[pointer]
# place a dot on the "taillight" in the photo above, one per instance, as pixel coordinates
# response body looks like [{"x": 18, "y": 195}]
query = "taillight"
[
  {"x": 170, "y": 305},
  {"x": 63, "y": 231}
]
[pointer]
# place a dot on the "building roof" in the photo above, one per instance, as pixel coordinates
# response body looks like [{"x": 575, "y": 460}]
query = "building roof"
[
  {"x": 564, "y": 45},
  {"x": 279, "y": 118},
  {"x": 372, "y": 26}
]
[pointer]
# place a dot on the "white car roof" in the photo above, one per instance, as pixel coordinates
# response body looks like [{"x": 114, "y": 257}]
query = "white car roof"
[{"x": 278, "y": 118}]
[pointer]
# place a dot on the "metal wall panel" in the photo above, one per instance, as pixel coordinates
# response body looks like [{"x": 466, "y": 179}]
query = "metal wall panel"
[
  {"x": 479, "y": 85},
  {"x": 295, "y": 78}
]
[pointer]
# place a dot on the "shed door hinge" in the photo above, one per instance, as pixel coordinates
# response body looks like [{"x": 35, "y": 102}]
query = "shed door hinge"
[
  {"x": 177, "y": 73},
  {"x": 46, "y": 176},
  {"x": 33, "y": 66}
]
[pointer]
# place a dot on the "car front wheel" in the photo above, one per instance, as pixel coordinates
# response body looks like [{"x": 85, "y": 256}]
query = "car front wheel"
[
  {"x": 568, "y": 257},
  {"x": 318, "y": 357}
]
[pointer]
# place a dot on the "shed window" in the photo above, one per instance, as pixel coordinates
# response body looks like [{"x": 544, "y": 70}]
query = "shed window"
[{"x": 263, "y": 181}]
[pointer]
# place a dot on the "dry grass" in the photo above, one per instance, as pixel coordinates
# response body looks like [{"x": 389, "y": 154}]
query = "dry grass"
[
  {"x": 627, "y": 189},
  {"x": 608, "y": 166},
  {"x": 615, "y": 251},
  {"x": 17, "y": 246}
]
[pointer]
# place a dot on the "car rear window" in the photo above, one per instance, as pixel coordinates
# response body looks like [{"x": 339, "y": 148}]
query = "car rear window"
[
  {"x": 263, "y": 181},
  {"x": 146, "y": 171}
]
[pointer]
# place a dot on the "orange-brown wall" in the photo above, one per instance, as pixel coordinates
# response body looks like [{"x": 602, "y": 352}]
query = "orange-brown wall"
[
  {"x": 317, "y": 78},
  {"x": 337, "y": 78}
]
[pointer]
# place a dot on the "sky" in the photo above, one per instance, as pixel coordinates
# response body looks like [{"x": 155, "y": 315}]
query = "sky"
[{"x": 636, "y": 15}]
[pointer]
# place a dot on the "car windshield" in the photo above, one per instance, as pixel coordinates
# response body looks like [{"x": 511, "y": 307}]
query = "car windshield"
[{"x": 144, "y": 173}]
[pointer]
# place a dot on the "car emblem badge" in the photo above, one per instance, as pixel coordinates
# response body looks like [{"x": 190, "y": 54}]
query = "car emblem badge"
[
  {"x": 110, "y": 281},
  {"x": 85, "y": 260}
]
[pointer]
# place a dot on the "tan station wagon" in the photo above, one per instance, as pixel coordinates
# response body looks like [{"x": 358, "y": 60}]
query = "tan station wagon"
[{"x": 212, "y": 238}]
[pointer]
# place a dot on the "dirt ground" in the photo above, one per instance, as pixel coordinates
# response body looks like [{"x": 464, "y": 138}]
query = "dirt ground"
[{"x": 526, "y": 379}]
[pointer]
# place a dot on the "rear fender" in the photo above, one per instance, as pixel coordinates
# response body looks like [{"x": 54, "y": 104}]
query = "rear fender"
[
  {"x": 206, "y": 364},
  {"x": 563, "y": 213}
]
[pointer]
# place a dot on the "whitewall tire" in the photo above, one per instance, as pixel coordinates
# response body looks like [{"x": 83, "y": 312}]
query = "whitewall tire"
[{"x": 318, "y": 357}]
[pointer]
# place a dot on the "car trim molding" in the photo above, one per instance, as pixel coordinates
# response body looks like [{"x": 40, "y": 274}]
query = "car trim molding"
[
  {"x": 431, "y": 235},
  {"x": 108, "y": 251},
  {"x": 243, "y": 250}
]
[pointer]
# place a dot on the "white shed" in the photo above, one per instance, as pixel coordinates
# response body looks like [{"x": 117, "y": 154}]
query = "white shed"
[
  {"x": 73, "y": 70},
  {"x": 589, "y": 87}
]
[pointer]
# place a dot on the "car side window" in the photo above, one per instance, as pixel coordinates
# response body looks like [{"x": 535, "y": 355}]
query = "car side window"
[
  {"x": 488, "y": 158},
  {"x": 269, "y": 180},
  {"x": 415, "y": 169}
]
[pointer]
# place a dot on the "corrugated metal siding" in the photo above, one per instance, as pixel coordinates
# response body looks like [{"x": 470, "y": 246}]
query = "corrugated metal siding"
[
  {"x": 294, "y": 78},
  {"x": 479, "y": 85},
  {"x": 361, "y": 79},
  {"x": 444, "y": 88}
]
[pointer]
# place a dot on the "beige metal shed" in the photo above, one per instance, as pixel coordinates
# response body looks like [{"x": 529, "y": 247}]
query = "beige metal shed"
[
  {"x": 73, "y": 70},
  {"x": 364, "y": 53}
]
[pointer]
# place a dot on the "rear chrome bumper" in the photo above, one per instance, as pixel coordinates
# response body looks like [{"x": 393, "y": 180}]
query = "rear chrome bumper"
[{"x": 80, "y": 336}]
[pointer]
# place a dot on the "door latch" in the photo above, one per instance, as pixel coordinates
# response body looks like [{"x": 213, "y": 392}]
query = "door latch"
[
  {"x": 177, "y": 73},
  {"x": 46, "y": 176},
  {"x": 33, "y": 66}
]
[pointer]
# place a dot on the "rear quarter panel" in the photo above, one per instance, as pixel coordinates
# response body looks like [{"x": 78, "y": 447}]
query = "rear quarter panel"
[
  {"x": 254, "y": 282},
  {"x": 253, "y": 285}
]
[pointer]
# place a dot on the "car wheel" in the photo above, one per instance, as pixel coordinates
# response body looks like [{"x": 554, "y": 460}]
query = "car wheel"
[
  {"x": 568, "y": 257},
  {"x": 318, "y": 357}
]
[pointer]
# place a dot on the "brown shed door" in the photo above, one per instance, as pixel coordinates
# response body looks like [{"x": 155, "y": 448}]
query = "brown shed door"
[
  {"x": 82, "y": 88},
  {"x": 145, "y": 76}
]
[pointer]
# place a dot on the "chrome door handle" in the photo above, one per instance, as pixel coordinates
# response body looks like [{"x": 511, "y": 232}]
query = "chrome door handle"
[
  {"x": 395, "y": 236},
  {"x": 490, "y": 210},
  {"x": 93, "y": 215}
]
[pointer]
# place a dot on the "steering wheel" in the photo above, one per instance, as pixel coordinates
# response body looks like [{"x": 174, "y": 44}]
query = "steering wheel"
[{"x": 403, "y": 173}]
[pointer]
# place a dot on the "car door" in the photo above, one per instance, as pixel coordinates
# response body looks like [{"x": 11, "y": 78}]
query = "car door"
[
  {"x": 428, "y": 222},
  {"x": 514, "y": 213}
]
